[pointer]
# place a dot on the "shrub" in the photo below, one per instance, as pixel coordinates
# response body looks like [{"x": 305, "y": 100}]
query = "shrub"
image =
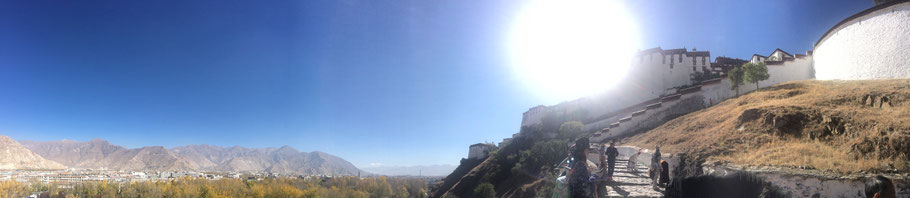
[
  {"x": 485, "y": 190},
  {"x": 543, "y": 156},
  {"x": 570, "y": 128}
]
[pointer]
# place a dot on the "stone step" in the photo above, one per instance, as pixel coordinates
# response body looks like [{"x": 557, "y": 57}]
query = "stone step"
[{"x": 628, "y": 184}]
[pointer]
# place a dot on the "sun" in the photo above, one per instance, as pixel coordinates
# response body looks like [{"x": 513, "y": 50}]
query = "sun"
[{"x": 562, "y": 50}]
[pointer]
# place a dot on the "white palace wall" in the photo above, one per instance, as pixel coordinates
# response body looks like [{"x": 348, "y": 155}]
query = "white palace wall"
[
  {"x": 706, "y": 94},
  {"x": 798, "y": 69},
  {"x": 636, "y": 105},
  {"x": 873, "y": 45}
]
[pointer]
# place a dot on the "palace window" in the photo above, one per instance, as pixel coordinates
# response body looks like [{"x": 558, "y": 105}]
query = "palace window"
[
  {"x": 680, "y": 58},
  {"x": 664, "y": 59},
  {"x": 693, "y": 60},
  {"x": 702, "y": 60}
]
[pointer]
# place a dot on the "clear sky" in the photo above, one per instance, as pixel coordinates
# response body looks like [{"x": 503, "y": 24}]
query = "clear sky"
[{"x": 390, "y": 82}]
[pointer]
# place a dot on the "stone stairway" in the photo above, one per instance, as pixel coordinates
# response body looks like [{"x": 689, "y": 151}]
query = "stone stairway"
[{"x": 628, "y": 184}]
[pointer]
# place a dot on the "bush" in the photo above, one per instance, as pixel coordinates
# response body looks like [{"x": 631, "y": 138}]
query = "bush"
[
  {"x": 485, "y": 190},
  {"x": 543, "y": 156},
  {"x": 570, "y": 129}
]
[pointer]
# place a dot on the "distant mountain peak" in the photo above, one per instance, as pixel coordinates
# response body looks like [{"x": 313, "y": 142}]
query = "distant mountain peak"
[{"x": 287, "y": 149}]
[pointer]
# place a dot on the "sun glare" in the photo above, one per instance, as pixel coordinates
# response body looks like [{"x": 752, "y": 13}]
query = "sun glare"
[{"x": 564, "y": 50}]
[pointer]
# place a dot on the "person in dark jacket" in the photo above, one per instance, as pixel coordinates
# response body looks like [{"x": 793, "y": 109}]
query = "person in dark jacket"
[
  {"x": 664, "y": 173},
  {"x": 880, "y": 187},
  {"x": 654, "y": 172},
  {"x": 611, "y": 158},
  {"x": 579, "y": 179}
]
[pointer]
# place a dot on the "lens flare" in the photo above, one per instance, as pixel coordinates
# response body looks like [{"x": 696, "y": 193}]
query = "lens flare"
[{"x": 563, "y": 50}]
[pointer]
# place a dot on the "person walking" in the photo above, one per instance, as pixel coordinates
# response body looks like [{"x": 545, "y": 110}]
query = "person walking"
[
  {"x": 655, "y": 166},
  {"x": 579, "y": 177},
  {"x": 632, "y": 162},
  {"x": 664, "y": 173},
  {"x": 611, "y": 153}
]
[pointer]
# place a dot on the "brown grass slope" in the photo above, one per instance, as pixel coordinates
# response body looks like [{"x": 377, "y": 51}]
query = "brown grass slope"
[{"x": 838, "y": 126}]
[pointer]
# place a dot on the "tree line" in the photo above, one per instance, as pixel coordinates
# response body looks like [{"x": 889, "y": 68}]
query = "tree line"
[{"x": 192, "y": 187}]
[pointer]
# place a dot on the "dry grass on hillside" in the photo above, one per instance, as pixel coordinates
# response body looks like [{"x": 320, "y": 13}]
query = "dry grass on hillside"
[{"x": 821, "y": 124}]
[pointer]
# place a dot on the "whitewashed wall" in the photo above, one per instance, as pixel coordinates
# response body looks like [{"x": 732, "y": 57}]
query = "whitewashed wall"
[
  {"x": 874, "y": 46},
  {"x": 756, "y": 59},
  {"x": 799, "y": 69},
  {"x": 679, "y": 74}
]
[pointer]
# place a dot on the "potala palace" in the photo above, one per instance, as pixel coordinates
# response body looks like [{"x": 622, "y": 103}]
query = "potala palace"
[{"x": 665, "y": 83}]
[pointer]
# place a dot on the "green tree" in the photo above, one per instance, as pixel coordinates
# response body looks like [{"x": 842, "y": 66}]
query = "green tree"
[
  {"x": 485, "y": 190},
  {"x": 755, "y": 73},
  {"x": 736, "y": 77},
  {"x": 570, "y": 128},
  {"x": 542, "y": 156}
]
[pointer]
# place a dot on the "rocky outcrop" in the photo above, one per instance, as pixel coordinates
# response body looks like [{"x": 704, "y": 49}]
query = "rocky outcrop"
[{"x": 14, "y": 156}]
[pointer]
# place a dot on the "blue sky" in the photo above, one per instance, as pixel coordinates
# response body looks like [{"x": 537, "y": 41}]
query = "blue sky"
[{"x": 390, "y": 82}]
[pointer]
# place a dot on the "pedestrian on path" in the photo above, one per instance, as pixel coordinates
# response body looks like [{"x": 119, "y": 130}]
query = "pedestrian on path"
[
  {"x": 611, "y": 153},
  {"x": 654, "y": 172},
  {"x": 632, "y": 162},
  {"x": 579, "y": 178}
]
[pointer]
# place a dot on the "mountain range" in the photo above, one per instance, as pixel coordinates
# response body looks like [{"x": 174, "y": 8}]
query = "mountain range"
[
  {"x": 14, "y": 156},
  {"x": 101, "y": 154}
]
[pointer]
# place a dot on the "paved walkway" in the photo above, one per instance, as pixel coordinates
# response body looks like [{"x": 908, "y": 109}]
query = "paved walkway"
[{"x": 628, "y": 184}]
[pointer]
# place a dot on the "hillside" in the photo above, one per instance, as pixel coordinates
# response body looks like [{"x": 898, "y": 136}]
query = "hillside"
[
  {"x": 836, "y": 126},
  {"x": 14, "y": 156},
  {"x": 282, "y": 160},
  {"x": 99, "y": 153},
  {"x": 523, "y": 168}
]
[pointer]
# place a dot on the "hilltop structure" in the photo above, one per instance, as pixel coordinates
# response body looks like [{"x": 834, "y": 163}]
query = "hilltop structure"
[
  {"x": 664, "y": 84},
  {"x": 480, "y": 150},
  {"x": 655, "y": 72}
]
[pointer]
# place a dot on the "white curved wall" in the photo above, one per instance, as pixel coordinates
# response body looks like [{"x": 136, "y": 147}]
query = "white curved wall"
[{"x": 874, "y": 46}]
